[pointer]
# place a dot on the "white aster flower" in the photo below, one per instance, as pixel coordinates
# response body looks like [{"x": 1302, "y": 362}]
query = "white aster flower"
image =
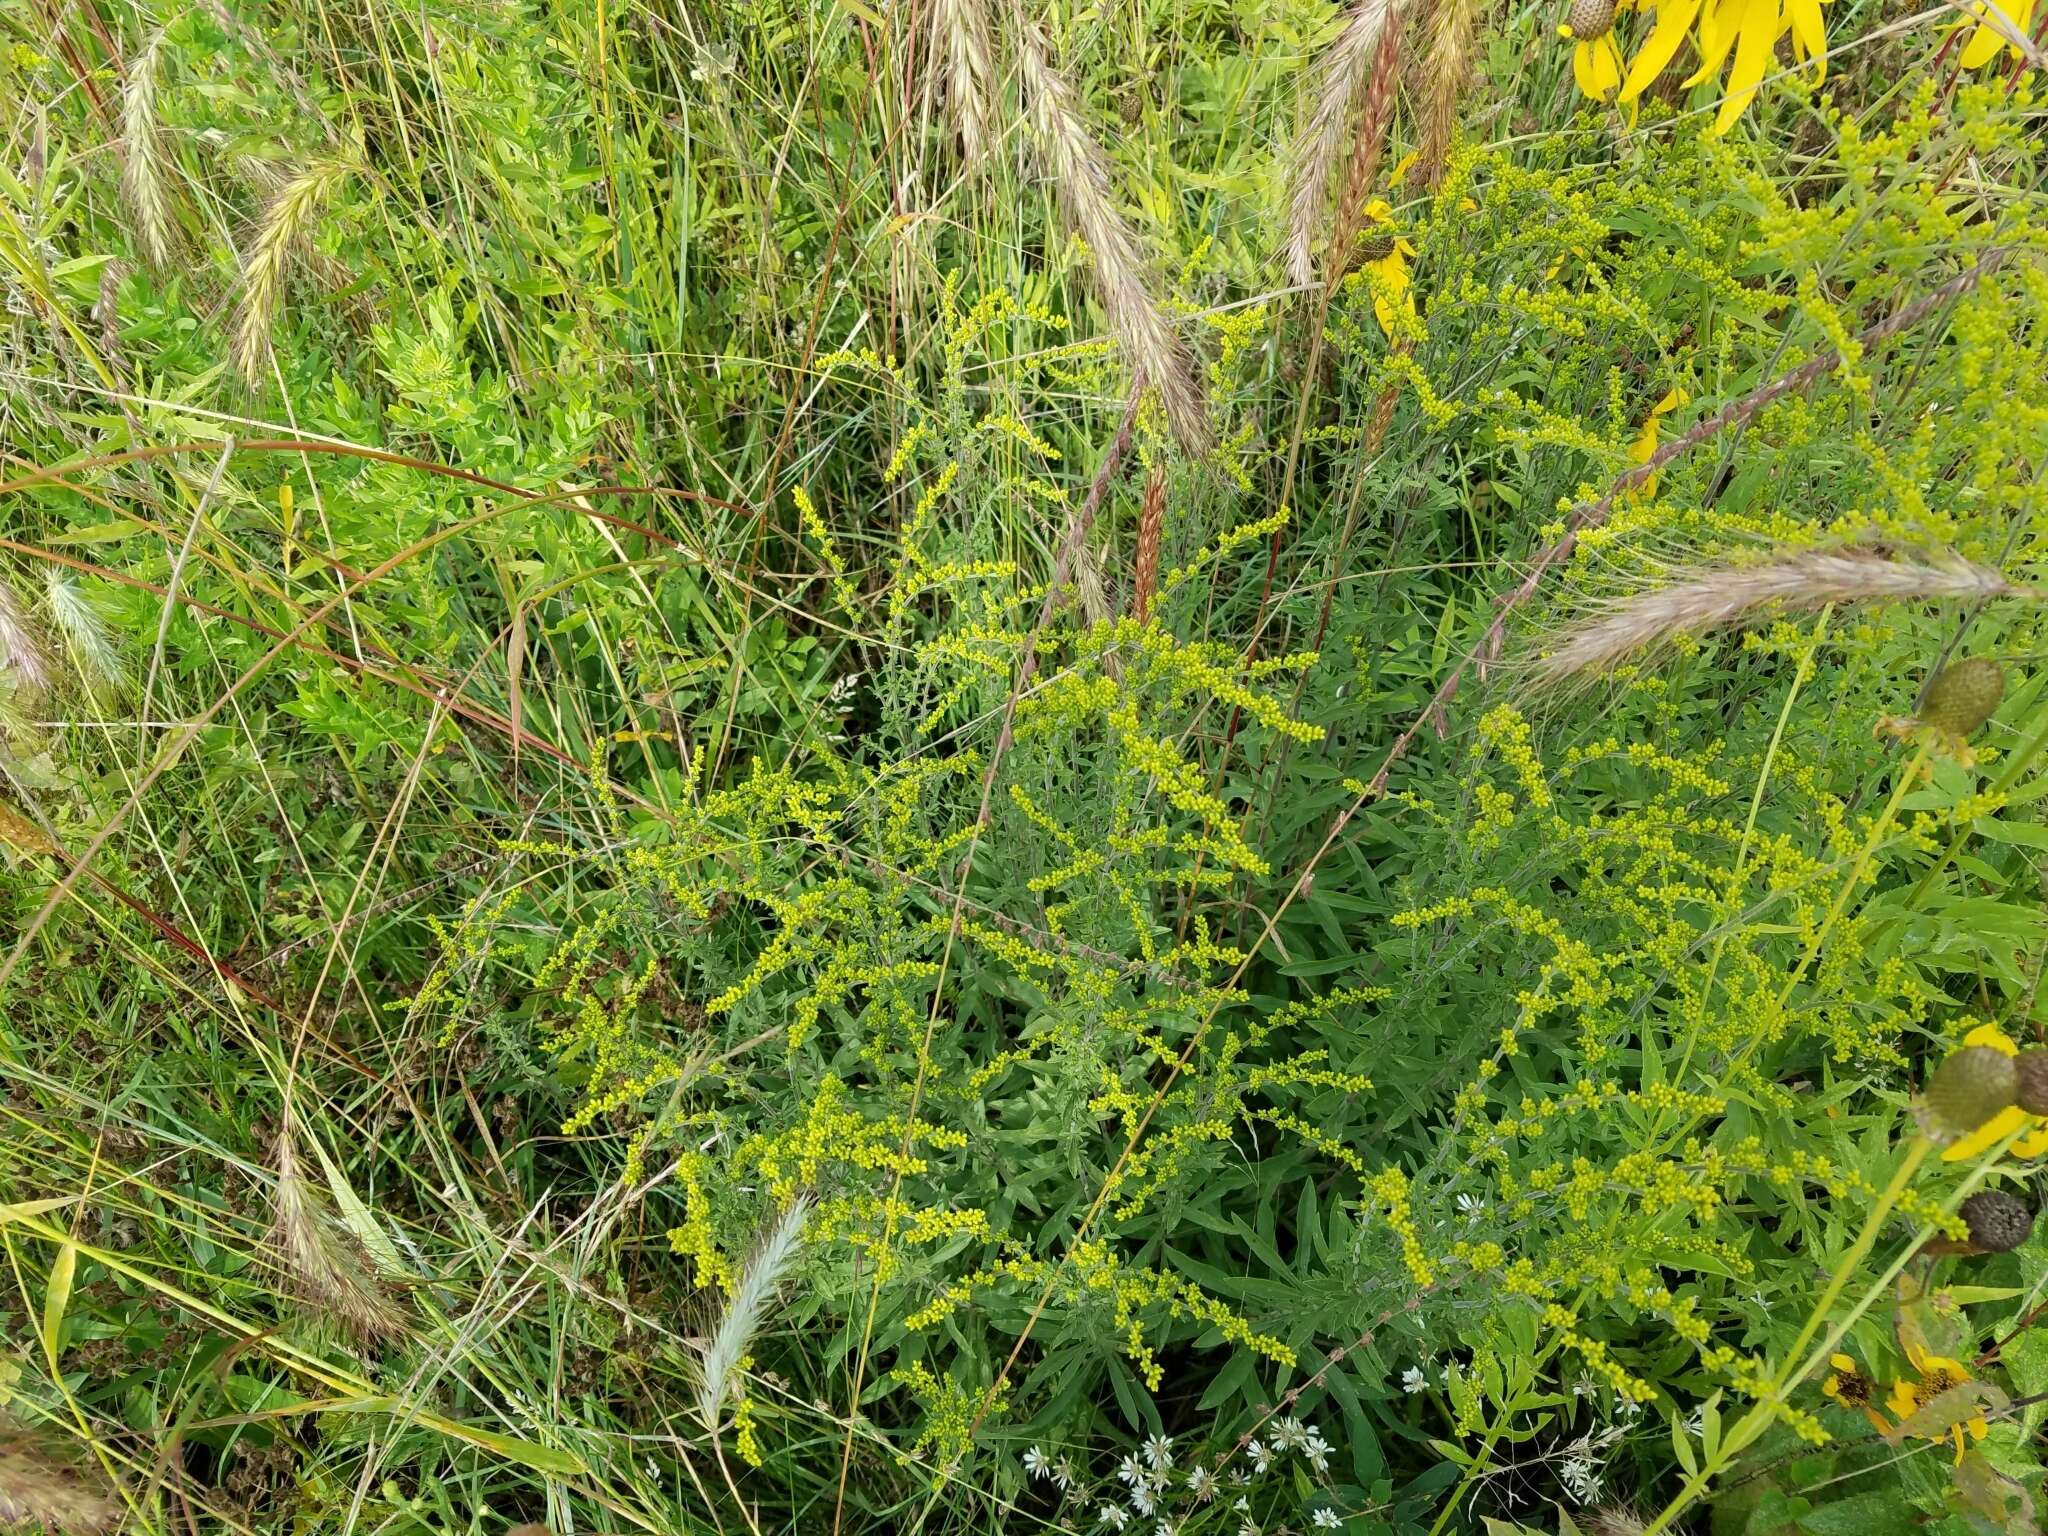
[
  {"x": 1202, "y": 1484},
  {"x": 1063, "y": 1473},
  {"x": 1262, "y": 1456},
  {"x": 1317, "y": 1450},
  {"x": 1035, "y": 1462},
  {"x": 1159, "y": 1452},
  {"x": 1412, "y": 1379},
  {"x": 1325, "y": 1519},
  {"x": 1113, "y": 1516},
  {"x": 1128, "y": 1471}
]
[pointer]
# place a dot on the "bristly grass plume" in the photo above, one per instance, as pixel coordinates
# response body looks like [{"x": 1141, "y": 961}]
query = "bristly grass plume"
[
  {"x": 267, "y": 262},
  {"x": 747, "y": 1307},
  {"x": 24, "y": 658},
  {"x": 960, "y": 49},
  {"x": 1447, "y": 60},
  {"x": 1341, "y": 84},
  {"x": 84, "y": 631},
  {"x": 143, "y": 175},
  {"x": 1702, "y": 599},
  {"x": 323, "y": 1265},
  {"x": 40, "y": 1487},
  {"x": 1080, "y": 171}
]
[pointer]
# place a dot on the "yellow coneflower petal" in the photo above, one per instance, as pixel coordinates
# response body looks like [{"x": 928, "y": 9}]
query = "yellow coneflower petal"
[
  {"x": 1718, "y": 22},
  {"x": 1759, "y": 30},
  {"x": 2034, "y": 1145},
  {"x": 1809, "y": 35},
  {"x": 1674, "y": 20},
  {"x": 1986, "y": 1136},
  {"x": 1992, "y": 1037},
  {"x": 1597, "y": 67}
]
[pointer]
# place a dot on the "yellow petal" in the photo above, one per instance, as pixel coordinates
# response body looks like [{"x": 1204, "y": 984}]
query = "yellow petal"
[
  {"x": 1842, "y": 1362},
  {"x": 1752, "y": 58},
  {"x": 2034, "y": 1145},
  {"x": 1809, "y": 35},
  {"x": 1405, "y": 165},
  {"x": 1586, "y": 62},
  {"x": 1673, "y": 399},
  {"x": 1718, "y": 20},
  {"x": 1674, "y": 20},
  {"x": 1988, "y": 1135},
  {"x": 1994, "y": 1037}
]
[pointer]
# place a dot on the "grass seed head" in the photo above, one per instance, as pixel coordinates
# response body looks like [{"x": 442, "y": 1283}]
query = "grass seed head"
[
  {"x": 40, "y": 1486},
  {"x": 325, "y": 1267}
]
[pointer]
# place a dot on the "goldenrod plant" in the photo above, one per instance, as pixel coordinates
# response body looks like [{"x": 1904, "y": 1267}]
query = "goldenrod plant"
[{"x": 967, "y": 768}]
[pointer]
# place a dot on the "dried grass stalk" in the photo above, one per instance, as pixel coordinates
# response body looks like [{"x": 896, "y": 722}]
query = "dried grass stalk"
[
  {"x": 143, "y": 172},
  {"x": 1341, "y": 84},
  {"x": 322, "y": 1263},
  {"x": 1452, "y": 26},
  {"x": 268, "y": 259},
  {"x": 960, "y": 34},
  {"x": 746, "y": 1308},
  {"x": 1151, "y": 519},
  {"x": 1707, "y": 598},
  {"x": 24, "y": 658},
  {"x": 1367, "y": 147},
  {"x": 40, "y": 1485},
  {"x": 1081, "y": 172}
]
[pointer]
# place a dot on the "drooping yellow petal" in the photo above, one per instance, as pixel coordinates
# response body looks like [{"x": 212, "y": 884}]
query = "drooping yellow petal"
[
  {"x": 1986, "y": 41},
  {"x": 1597, "y": 67},
  {"x": 1809, "y": 35},
  {"x": 1759, "y": 30},
  {"x": 1718, "y": 20},
  {"x": 1986, "y": 1136},
  {"x": 1674, "y": 20},
  {"x": 2032, "y": 1145},
  {"x": 1392, "y": 272}
]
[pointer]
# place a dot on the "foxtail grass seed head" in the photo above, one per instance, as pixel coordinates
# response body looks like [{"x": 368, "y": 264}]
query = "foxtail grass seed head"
[
  {"x": 1963, "y": 697},
  {"x": 1998, "y": 1222},
  {"x": 42, "y": 1487},
  {"x": 84, "y": 631},
  {"x": 1703, "y": 599},
  {"x": 25, "y": 666},
  {"x": 1453, "y": 25},
  {"x": 144, "y": 172},
  {"x": 266, "y": 264},
  {"x": 960, "y": 44},
  {"x": 324, "y": 1265},
  {"x": 1340, "y": 89},
  {"x": 746, "y": 1308},
  {"x": 1080, "y": 172},
  {"x": 1970, "y": 1086}
]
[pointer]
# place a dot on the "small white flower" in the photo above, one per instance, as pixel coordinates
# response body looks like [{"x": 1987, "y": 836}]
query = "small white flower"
[
  {"x": 1629, "y": 1408},
  {"x": 1317, "y": 1450},
  {"x": 1288, "y": 1433},
  {"x": 1128, "y": 1471},
  {"x": 1202, "y": 1484},
  {"x": 1326, "y": 1519},
  {"x": 1243, "y": 1505},
  {"x": 1036, "y": 1464},
  {"x": 1113, "y": 1516},
  {"x": 1247, "y": 1529},
  {"x": 1262, "y": 1456},
  {"x": 1165, "y": 1528},
  {"x": 1579, "y": 1479},
  {"x": 1159, "y": 1452},
  {"x": 1469, "y": 1204},
  {"x": 1412, "y": 1379},
  {"x": 1063, "y": 1473},
  {"x": 1141, "y": 1497}
]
